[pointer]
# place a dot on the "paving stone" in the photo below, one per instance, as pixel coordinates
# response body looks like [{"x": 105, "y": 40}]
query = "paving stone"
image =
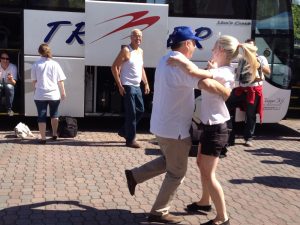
[{"x": 82, "y": 181}]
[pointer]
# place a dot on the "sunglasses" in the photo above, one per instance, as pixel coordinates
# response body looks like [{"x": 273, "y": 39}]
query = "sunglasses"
[{"x": 4, "y": 58}]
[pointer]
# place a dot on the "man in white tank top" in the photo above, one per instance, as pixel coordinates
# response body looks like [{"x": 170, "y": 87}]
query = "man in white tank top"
[{"x": 128, "y": 71}]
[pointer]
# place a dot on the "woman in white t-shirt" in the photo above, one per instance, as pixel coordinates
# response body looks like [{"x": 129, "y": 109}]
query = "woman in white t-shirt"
[
  {"x": 48, "y": 81},
  {"x": 213, "y": 115}
]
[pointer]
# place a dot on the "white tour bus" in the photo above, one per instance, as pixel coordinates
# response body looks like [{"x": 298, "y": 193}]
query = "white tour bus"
[{"x": 86, "y": 36}]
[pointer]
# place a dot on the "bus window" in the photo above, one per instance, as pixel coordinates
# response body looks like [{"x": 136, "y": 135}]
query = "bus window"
[
  {"x": 10, "y": 26},
  {"x": 68, "y": 5},
  {"x": 230, "y": 9},
  {"x": 266, "y": 8},
  {"x": 273, "y": 17},
  {"x": 273, "y": 31},
  {"x": 296, "y": 77},
  {"x": 279, "y": 59},
  {"x": 11, "y": 3}
]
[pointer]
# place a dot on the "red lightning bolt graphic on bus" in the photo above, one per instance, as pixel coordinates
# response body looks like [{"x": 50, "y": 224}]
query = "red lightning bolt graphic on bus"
[{"x": 149, "y": 21}]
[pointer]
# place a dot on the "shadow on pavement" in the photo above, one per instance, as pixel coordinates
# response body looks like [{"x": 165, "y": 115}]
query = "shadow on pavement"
[
  {"x": 84, "y": 124},
  {"x": 270, "y": 131},
  {"x": 272, "y": 181},
  {"x": 277, "y": 138},
  {"x": 274, "y": 129},
  {"x": 72, "y": 213},
  {"x": 69, "y": 142},
  {"x": 68, "y": 213},
  {"x": 288, "y": 157},
  {"x": 152, "y": 151},
  {"x": 11, "y": 138}
]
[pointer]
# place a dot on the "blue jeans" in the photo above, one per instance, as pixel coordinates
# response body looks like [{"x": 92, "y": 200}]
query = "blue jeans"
[
  {"x": 42, "y": 106},
  {"x": 9, "y": 90},
  {"x": 134, "y": 109}
]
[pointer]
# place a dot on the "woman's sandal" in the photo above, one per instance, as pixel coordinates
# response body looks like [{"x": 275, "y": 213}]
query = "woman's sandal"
[
  {"x": 195, "y": 207},
  {"x": 211, "y": 222},
  {"x": 54, "y": 138},
  {"x": 42, "y": 142}
]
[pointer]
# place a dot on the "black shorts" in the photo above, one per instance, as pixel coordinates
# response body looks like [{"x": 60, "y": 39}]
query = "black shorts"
[{"x": 213, "y": 139}]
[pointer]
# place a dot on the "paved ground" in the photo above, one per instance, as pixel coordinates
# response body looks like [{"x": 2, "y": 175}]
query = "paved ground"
[{"x": 81, "y": 180}]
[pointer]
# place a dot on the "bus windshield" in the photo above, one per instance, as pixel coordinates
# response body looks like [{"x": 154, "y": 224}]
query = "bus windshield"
[
  {"x": 273, "y": 32},
  {"x": 273, "y": 17}
]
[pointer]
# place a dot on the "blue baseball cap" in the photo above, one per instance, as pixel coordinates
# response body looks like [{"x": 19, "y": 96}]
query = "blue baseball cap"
[{"x": 183, "y": 33}]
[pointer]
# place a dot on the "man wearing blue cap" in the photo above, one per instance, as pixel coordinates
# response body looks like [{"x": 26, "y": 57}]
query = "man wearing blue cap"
[{"x": 173, "y": 105}]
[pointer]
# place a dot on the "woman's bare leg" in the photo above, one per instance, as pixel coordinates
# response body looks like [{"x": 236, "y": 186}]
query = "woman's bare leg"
[
  {"x": 208, "y": 166},
  {"x": 54, "y": 124},
  {"x": 205, "y": 198},
  {"x": 42, "y": 129}
]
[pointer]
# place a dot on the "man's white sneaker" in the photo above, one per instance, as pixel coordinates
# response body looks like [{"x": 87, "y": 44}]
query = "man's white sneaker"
[
  {"x": 10, "y": 112},
  {"x": 249, "y": 144}
]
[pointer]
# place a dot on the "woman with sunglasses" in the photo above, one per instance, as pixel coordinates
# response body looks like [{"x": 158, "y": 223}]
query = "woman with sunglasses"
[{"x": 8, "y": 76}]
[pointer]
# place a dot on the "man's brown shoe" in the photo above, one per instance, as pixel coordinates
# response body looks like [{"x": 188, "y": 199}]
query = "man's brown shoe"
[
  {"x": 168, "y": 218},
  {"x": 131, "y": 183},
  {"x": 132, "y": 144}
]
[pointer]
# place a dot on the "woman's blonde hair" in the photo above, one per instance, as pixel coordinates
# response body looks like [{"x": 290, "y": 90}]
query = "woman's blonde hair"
[
  {"x": 231, "y": 46},
  {"x": 45, "y": 51},
  {"x": 249, "y": 54}
]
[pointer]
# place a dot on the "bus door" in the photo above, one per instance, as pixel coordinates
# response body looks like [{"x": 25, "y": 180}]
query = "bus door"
[
  {"x": 108, "y": 27},
  {"x": 11, "y": 34}
]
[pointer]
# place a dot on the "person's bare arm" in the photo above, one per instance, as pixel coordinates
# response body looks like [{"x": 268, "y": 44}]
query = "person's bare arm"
[
  {"x": 62, "y": 90},
  {"x": 144, "y": 77},
  {"x": 33, "y": 83},
  {"x": 145, "y": 81},
  {"x": 215, "y": 87},
  {"x": 189, "y": 67},
  {"x": 116, "y": 68},
  {"x": 266, "y": 69}
]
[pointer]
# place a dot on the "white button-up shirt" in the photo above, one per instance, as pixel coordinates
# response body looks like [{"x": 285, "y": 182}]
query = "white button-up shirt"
[{"x": 173, "y": 100}]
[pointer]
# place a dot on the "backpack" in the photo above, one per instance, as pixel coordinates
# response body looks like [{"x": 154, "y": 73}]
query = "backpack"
[
  {"x": 67, "y": 127},
  {"x": 244, "y": 74}
]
